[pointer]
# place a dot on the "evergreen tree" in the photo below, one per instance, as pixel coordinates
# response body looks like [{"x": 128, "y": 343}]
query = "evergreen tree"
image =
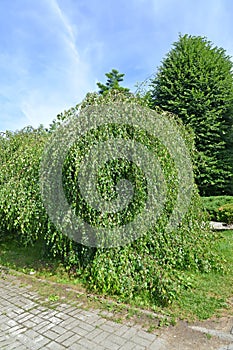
[
  {"x": 114, "y": 78},
  {"x": 195, "y": 82}
]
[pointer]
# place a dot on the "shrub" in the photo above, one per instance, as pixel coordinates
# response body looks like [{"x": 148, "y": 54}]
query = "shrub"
[
  {"x": 149, "y": 268},
  {"x": 21, "y": 209},
  {"x": 225, "y": 213},
  {"x": 212, "y": 204}
]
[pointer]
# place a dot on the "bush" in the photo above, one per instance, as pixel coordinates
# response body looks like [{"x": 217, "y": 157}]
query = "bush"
[
  {"x": 225, "y": 213},
  {"x": 21, "y": 211},
  {"x": 213, "y": 203},
  {"x": 149, "y": 268}
]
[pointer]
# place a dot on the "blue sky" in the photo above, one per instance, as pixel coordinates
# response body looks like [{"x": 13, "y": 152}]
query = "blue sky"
[{"x": 52, "y": 52}]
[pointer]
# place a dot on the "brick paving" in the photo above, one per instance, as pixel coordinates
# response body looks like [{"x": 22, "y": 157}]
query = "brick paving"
[{"x": 26, "y": 323}]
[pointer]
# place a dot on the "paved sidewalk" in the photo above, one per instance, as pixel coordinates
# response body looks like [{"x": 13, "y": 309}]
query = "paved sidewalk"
[
  {"x": 25, "y": 323},
  {"x": 220, "y": 226}
]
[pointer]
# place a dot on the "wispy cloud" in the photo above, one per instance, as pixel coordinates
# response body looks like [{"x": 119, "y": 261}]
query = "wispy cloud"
[
  {"x": 52, "y": 52},
  {"x": 65, "y": 77},
  {"x": 46, "y": 73},
  {"x": 67, "y": 25}
]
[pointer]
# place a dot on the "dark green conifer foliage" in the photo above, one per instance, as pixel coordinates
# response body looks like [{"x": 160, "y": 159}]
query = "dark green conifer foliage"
[
  {"x": 195, "y": 82},
  {"x": 114, "y": 78}
]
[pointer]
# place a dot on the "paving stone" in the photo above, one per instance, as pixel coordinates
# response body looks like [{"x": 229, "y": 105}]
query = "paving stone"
[
  {"x": 88, "y": 344},
  {"x": 121, "y": 330},
  {"x": 44, "y": 326},
  {"x": 12, "y": 323},
  {"x": 48, "y": 314},
  {"x": 80, "y": 331},
  {"x": 141, "y": 341},
  {"x": 146, "y": 335},
  {"x": 78, "y": 347},
  {"x": 95, "y": 334},
  {"x": 109, "y": 326},
  {"x": 13, "y": 346},
  {"x": 20, "y": 347},
  {"x": 128, "y": 346},
  {"x": 51, "y": 335},
  {"x": 59, "y": 330},
  {"x": 41, "y": 341},
  {"x": 68, "y": 323},
  {"x": 24, "y": 316},
  {"x": 86, "y": 326},
  {"x": 4, "y": 326},
  {"x": 37, "y": 319},
  {"x": 72, "y": 340},
  {"x": 116, "y": 339},
  {"x": 139, "y": 347},
  {"x": 100, "y": 337},
  {"x": 108, "y": 344},
  {"x": 64, "y": 336},
  {"x": 12, "y": 314},
  {"x": 28, "y": 323},
  {"x": 130, "y": 333},
  {"x": 55, "y": 346},
  {"x": 17, "y": 330}
]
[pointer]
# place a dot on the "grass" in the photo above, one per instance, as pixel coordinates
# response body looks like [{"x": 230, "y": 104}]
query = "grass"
[
  {"x": 32, "y": 260},
  {"x": 210, "y": 295}
]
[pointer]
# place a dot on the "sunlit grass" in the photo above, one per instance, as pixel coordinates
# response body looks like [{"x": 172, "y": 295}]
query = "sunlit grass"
[{"x": 211, "y": 292}]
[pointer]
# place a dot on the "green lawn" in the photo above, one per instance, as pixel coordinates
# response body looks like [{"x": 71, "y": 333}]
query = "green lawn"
[{"x": 212, "y": 292}]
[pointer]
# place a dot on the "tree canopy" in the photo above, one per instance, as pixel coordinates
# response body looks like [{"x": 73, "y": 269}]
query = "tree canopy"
[
  {"x": 113, "y": 80},
  {"x": 195, "y": 82},
  {"x": 149, "y": 268}
]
